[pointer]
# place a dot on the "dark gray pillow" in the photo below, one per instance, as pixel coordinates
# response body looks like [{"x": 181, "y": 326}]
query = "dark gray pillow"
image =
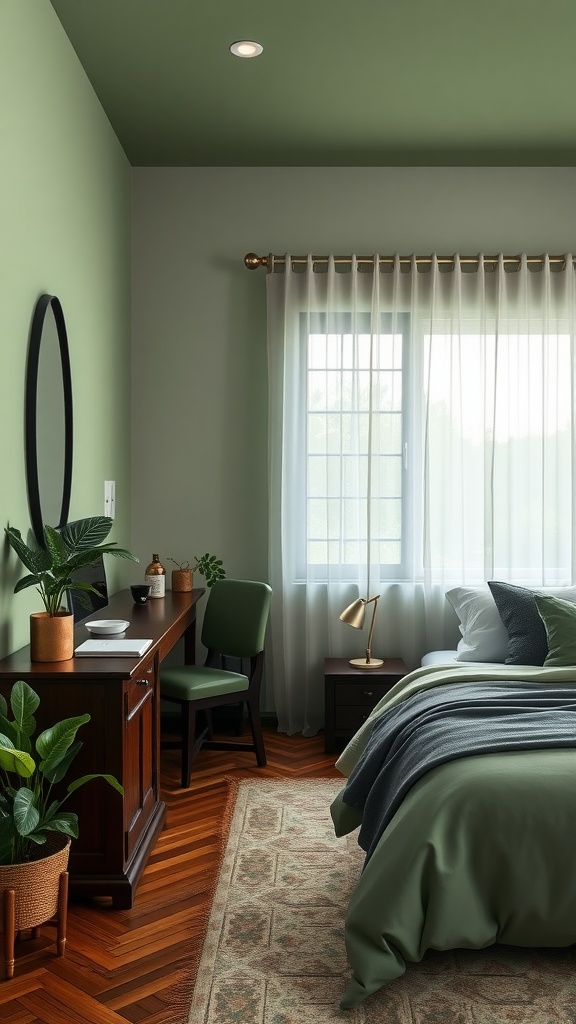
[{"x": 527, "y": 641}]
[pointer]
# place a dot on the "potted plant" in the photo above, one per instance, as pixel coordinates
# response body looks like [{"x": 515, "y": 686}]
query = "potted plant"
[
  {"x": 35, "y": 832},
  {"x": 51, "y": 571},
  {"x": 209, "y": 566}
]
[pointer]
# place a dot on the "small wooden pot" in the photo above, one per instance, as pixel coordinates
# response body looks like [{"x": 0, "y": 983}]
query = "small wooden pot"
[
  {"x": 51, "y": 636},
  {"x": 182, "y": 580}
]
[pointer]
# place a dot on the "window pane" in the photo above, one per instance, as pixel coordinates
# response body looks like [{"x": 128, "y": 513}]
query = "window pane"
[
  {"x": 387, "y": 552},
  {"x": 387, "y": 519},
  {"x": 317, "y": 352},
  {"x": 354, "y": 384},
  {"x": 318, "y": 552},
  {"x": 386, "y": 433},
  {"x": 355, "y": 430},
  {"x": 325, "y": 433},
  {"x": 387, "y": 391},
  {"x": 324, "y": 477},
  {"x": 386, "y": 477},
  {"x": 326, "y": 390}
]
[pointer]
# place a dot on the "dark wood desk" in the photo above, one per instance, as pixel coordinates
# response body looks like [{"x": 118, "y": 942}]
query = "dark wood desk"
[{"x": 122, "y": 738}]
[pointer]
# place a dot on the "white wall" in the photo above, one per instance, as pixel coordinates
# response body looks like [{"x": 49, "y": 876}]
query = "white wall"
[{"x": 199, "y": 319}]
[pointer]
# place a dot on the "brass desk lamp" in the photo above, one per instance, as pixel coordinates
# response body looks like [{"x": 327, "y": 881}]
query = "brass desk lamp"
[{"x": 354, "y": 615}]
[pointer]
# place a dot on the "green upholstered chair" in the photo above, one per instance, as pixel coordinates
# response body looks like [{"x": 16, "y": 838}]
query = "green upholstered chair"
[{"x": 233, "y": 632}]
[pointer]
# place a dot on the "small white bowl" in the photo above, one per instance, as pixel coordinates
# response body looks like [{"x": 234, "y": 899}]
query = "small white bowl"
[{"x": 104, "y": 626}]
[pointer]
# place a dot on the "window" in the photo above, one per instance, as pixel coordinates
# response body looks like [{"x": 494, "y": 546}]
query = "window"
[
  {"x": 482, "y": 429},
  {"x": 355, "y": 443}
]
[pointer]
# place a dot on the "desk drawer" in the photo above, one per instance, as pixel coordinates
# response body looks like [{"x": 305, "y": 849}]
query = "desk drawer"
[{"x": 139, "y": 688}]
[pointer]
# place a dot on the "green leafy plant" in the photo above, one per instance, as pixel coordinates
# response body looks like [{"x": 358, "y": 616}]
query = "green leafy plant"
[
  {"x": 51, "y": 567},
  {"x": 29, "y": 769},
  {"x": 212, "y": 568}
]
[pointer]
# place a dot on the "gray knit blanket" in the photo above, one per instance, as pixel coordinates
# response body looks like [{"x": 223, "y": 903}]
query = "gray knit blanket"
[{"x": 445, "y": 723}]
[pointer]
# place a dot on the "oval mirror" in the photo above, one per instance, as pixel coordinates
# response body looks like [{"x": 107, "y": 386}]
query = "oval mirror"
[{"x": 48, "y": 418}]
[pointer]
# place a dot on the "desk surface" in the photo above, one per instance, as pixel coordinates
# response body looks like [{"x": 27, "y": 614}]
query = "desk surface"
[{"x": 162, "y": 620}]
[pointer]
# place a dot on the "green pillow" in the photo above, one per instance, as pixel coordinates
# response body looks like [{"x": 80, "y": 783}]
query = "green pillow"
[{"x": 559, "y": 618}]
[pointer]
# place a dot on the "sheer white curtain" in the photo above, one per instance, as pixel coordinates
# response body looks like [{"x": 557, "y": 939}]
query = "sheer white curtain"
[{"x": 421, "y": 436}]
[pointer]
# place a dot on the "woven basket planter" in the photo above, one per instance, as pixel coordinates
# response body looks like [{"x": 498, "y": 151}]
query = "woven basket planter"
[
  {"x": 32, "y": 893},
  {"x": 182, "y": 580}
]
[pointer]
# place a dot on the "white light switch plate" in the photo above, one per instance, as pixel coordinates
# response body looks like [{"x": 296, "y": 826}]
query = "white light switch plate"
[{"x": 110, "y": 498}]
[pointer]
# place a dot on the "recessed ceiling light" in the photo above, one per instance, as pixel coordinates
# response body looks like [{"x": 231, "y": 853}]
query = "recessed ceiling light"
[{"x": 246, "y": 48}]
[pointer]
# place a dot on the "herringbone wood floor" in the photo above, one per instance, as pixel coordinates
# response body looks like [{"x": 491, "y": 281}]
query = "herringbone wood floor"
[{"x": 137, "y": 965}]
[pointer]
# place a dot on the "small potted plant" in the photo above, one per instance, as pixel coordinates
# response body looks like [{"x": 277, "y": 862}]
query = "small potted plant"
[
  {"x": 209, "y": 566},
  {"x": 35, "y": 832},
  {"x": 51, "y": 570}
]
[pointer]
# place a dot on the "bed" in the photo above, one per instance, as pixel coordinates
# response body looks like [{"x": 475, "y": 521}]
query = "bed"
[{"x": 473, "y": 849}]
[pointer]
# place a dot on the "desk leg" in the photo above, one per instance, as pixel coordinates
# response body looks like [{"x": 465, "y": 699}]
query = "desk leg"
[{"x": 190, "y": 644}]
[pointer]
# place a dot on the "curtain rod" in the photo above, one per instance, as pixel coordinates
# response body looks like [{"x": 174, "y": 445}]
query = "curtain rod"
[{"x": 253, "y": 262}]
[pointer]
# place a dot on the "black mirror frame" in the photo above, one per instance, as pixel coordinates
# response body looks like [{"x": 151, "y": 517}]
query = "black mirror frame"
[{"x": 30, "y": 415}]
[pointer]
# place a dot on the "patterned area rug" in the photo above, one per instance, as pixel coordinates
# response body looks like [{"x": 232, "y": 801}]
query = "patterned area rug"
[{"x": 274, "y": 949}]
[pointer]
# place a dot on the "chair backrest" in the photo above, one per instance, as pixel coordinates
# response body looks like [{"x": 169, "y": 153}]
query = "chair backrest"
[
  {"x": 94, "y": 574},
  {"x": 236, "y": 617}
]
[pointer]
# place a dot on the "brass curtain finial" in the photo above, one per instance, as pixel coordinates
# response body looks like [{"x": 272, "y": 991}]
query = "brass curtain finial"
[{"x": 252, "y": 261}]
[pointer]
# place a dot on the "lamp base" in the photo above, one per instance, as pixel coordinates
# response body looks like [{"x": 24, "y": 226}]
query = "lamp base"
[{"x": 362, "y": 663}]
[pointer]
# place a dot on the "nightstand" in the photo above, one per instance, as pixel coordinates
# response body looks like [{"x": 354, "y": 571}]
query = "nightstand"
[{"x": 351, "y": 693}]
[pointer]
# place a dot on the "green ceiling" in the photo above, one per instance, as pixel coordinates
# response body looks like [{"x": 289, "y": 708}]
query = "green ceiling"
[{"x": 340, "y": 82}]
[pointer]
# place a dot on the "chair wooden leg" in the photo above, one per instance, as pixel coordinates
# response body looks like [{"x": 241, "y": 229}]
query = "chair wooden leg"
[
  {"x": 209, "y": 726},
  {"x": 62, "y": 914},
  {"x": 8, "y": 923},
  {"x": 240, "y": 719},
  {"x": 188, "y": 741},
  {"x": 256, "y": 727}
]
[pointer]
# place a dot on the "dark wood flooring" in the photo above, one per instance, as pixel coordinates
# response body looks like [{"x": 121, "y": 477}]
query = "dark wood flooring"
[{"x": 137, "y": 965}]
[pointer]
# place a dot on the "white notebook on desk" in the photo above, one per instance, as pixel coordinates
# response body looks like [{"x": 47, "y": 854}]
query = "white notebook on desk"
[{"x": 112, "y": 648}]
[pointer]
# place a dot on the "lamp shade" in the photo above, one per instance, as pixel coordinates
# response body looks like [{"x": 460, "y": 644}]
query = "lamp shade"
[
  {"x": 354, "y": 616},
  {"x": 355, "y": 613}
]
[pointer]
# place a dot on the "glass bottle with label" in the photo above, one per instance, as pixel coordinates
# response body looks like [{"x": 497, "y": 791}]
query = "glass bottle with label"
[{"x": 156, "y": 577}]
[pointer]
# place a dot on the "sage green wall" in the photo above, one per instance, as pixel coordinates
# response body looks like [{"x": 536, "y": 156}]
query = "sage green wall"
[
  {"x": 64, "y": 229},
  {"x": 199, "y": 346}
]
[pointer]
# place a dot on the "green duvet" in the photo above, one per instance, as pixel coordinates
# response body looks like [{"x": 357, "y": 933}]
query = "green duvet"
[{"x": 481, "y": 850}]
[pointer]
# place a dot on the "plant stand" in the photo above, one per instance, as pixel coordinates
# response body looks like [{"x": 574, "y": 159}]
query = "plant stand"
[
  {"x": 10, "y": 916},
  {"x": 32, "y": 893}
]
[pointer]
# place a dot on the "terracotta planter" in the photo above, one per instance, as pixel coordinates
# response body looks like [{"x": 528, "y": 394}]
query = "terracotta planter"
[
  {"x": 182, "y": 580},
  {"x": 51, "y": 636},
  {"x": 32, "y": 893}
]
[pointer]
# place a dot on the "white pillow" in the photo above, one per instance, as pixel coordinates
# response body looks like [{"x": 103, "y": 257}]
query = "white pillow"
[{"x": 484, "y": 635}]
